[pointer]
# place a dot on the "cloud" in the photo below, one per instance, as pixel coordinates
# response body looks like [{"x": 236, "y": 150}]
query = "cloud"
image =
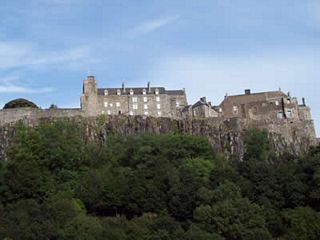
[
  {"x": 214, "y": 76},
  {"x": 7, "y": 86},
  {"x": 151, "y": 25},
  {"x": 24, "y": 55}
]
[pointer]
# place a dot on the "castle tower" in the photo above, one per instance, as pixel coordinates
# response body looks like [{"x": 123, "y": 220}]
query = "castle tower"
[{"x": 89, "y": 98}]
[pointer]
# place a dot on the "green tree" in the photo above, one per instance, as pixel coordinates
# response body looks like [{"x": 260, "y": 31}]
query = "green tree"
[{"x": 302, "y": 223}]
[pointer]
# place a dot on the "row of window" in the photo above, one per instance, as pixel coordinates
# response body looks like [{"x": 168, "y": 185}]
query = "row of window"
[
  {"x": 289, "y": 114},
  {"x": 144, "y": 92},
  {"x": 106, "y": 104},
  {"x": 145, "y": 106},
  {"x": 134, "y": 106}
]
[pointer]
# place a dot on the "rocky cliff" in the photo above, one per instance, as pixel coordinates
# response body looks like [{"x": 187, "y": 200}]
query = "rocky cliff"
[{"x": 289, "y": 138}]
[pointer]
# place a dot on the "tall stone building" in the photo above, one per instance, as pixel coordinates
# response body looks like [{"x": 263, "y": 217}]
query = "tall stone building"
[
  {"x": 148, "y": 101},
  {"x": 274, "y": 105}
]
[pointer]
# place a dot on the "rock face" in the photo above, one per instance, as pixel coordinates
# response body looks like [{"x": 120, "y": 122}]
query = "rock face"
[{"x": 224, "y": 135}]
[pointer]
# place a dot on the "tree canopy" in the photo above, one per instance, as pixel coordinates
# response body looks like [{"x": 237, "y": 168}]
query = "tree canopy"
[
  {"x": 57, "y": 185},
  {"x": 20, "y": 103}
]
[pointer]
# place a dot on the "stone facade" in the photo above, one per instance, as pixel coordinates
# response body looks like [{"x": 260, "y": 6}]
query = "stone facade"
[
  {"x": 148, "y": 101},
  {"x": 266, "y": 105},
  {"x": 201, "y": 109}
]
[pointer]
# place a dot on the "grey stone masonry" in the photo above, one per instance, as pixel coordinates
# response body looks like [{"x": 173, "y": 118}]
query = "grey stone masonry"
[{"x": 148, "y": 101}]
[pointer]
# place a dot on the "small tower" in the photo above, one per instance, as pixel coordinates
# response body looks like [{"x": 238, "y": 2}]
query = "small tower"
[{"x": 89, "y": 98}]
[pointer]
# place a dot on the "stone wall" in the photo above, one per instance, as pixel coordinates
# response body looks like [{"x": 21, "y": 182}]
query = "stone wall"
[{"x": 33, "y": 114}]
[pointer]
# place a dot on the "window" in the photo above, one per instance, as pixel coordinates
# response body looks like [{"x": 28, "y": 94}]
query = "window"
[
  {"x": 280, "y": 115},
  {"x": 157, "y": 91},
  {"x": 118, "y": 92},
  {"x": 105, "y": 104},
  {"x": 158, "y": 99},
  {"x": 235, "y": 109},
  {"x": 220, "y": 110},
  {"x": 130, "y": 113},
  {"x": 145, "y": 106},
  {"x": 146, "y": 113},
  {"x": 144, "y": 92},
  {"x": 277, "y": 103},
  {"x": 159, "y": 113},
  {"x": 108, "y": 112},
  {"x": 177, "y": 104},
  {"x": 289, "y": 114},
  {"x": 111, "y": 104},
  {"x": 145, "y": 99},
  {"x": 117, "y": 104},
  {"x": 288, "y": 101},
  {"x": 135, "y": 106},
  {"x": 134, "y": 99},
  {"x": 106, "y": 92},
  {"x": 131, "y": 92},
  {"x": 102, "y": 112},
  {"x": 158, "y": 106}
]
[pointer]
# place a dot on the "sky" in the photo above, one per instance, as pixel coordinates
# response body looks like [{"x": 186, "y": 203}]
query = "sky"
[{"x": 208, "y": 47}]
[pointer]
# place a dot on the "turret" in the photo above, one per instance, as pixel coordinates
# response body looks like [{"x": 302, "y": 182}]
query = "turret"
[{"x": 89, "y": 98}]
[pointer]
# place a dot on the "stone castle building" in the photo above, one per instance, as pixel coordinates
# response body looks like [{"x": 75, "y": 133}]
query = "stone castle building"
[
  {"x": 147, "y": 101},
  {"x": 159, "y": 102},
  {"x": 289, "y": 122}
]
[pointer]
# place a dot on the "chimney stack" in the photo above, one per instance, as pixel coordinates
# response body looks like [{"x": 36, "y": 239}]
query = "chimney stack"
[
  {"x": 247, "y": 92},
  {"x": 303, "y": 101},
  {"x": 123, "y": 88},
  {"x": 203, "y": 99},
  {"x": 149, "y": 88},
  {"x": 91, "y": 77}
]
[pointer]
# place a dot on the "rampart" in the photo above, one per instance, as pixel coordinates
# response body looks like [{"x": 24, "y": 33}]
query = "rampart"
[{"x": 33, "y": 114}]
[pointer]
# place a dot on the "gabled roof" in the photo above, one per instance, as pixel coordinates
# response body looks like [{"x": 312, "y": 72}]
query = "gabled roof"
[{"x": 200, "y": 103}]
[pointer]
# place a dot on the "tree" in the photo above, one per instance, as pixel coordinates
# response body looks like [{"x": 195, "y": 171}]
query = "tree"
[
  {"x": 84, "y": 228},
  {"x": 257, "y": 145},
  {"x": 302, "y": 223},
  {"x": 20, "y": 103},
  {"x": 232, "y": 216}
]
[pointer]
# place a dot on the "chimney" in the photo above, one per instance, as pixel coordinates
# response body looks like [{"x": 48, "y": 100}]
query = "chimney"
[
  {"x": 209, "y": 103},
  {"x": 303, "y": 101},
  {"x": 123, "y": 88},
  {"x": 91, "y": 77},
  {"x": 149, "y": 88},
  {"x": 289, "y": 94},
  {"x": 203, "y": 99},
  {"x": 247, "y": 92}
]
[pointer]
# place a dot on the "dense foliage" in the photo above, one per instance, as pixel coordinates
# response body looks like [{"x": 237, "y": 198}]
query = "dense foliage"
[
  {"x": 20, "y": 103},
  {"x": 55, "y": 185}
]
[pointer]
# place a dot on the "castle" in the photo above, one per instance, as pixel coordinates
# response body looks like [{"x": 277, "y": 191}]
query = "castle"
[
  {"x": 156, "y": 109},
  {"x": 148, "y": 101},
  {"x": 159, "y": 102}
]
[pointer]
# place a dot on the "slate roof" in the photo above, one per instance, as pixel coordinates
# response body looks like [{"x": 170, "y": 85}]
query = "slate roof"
[
  {"x": 200, "y": 103},
  {"x": 139, "y": 91},
  {"x": 253, "y": 97}
]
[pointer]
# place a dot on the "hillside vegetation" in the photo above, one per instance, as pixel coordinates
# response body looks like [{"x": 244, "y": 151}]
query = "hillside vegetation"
[{"x": 55, "y": 185}]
